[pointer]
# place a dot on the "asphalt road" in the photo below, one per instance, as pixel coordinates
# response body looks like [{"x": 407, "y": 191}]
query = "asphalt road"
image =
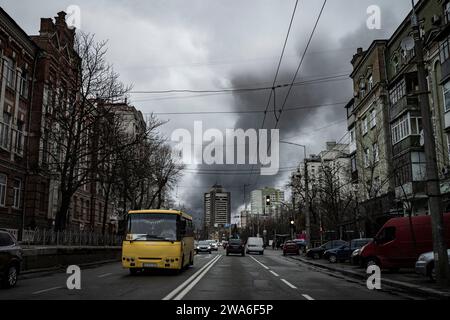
[{"x": 213, "y": 277}]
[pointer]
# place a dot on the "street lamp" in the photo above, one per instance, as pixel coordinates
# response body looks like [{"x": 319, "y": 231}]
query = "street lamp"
[{"x": 307, "y": 218}]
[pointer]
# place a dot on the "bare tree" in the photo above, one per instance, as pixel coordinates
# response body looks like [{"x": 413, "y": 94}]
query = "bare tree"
[{"x": 72, "y": 147}]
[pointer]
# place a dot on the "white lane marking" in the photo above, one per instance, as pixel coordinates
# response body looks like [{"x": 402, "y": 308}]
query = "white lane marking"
[
  {"x": 274, "y": 273},
  {"x": 289, "y": 284},
  {"x": 184, "y": 284},
  {"x": 265, "y": 267},
  {"x": 47, "y": 290},
  {"x": 104, "y": 275},
  {"x": 196, "y": 280},
  {"x": 307, "y": 297}
]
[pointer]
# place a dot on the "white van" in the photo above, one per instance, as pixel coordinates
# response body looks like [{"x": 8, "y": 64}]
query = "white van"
[{"x": 255, "y": 245}]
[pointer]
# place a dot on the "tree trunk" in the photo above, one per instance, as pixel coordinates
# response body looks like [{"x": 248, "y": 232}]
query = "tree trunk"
[
  {"x": 105, "y": 209},
  {"x": 61, "y": 216}
]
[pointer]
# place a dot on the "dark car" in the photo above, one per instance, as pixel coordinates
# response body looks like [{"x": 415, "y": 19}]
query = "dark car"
[
  {"x": 235, "y": 246},
  {"x": 10, "y": 259},
  {"x": 318, "y": 252},
  {"x": 203, "y": 246},
  {"x": 290, "y": 247},
  {"x": 344, "y": 253}
]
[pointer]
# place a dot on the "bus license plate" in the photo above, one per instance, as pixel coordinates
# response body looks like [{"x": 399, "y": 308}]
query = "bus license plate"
[{"x": 150, "y": 265}]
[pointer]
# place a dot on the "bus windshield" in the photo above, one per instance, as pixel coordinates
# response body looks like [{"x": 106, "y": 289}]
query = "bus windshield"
[{"x": 153, "y": 227}]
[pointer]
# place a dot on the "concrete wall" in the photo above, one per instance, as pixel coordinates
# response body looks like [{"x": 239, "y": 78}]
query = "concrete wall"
[{"x": 53, "y": 257}]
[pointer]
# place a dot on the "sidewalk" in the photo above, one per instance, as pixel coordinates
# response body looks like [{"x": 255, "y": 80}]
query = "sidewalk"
[{"x": 405, "y": 280}]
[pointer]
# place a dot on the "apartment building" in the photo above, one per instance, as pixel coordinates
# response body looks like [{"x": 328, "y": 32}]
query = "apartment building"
[
  {"x": 17, "y": 65},
  {"x": 217, "y": 207},
  {"x": 39, "y": 73},
  {"x": 392, "y": 87}
]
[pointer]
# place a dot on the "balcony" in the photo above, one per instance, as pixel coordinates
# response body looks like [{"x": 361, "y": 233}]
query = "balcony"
[
  {"x": 406, "y": 103},
  {"x": 411, "y": 190},
  {"x": 410, "y": 142}
]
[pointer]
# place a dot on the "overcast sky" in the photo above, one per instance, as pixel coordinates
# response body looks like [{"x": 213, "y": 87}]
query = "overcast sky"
[{"x": 215, "y": 44}]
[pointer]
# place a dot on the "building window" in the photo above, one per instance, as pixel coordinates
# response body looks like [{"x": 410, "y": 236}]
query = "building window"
[
  {"x": 18, "y": 139},
  {"x": 444, "y": 50},
  {"x": 400, "y": 129},
  {"x": 364, "y": 126},
  {"x": 24, "y": 85},
  {"x": 17, "y": 188},
  {"x": 373, "y": 119},
  {"x": 398, "y": 92},
  {"x": 3, "y": 183},
  {"x": 370, "y": 83},
  {"x": 447, "y": 96},
  {"x": 354, "y": 165},
  {"x": 447, "y": 12},
  {"x": 9, "y": 73},
  {"x": 376, "y": 153},
  {"x": 419, "y": 166},
  {"x": 366, "y": 158},
  {"x": 5, "y": 128},
  {"x": 395, "y": 64},
  {"x": 362, "y": 88},
  {"x": 406, "y": 126}
]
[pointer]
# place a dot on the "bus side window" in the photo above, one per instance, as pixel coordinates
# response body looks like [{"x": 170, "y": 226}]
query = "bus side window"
[{"x": 183, "y": 227}]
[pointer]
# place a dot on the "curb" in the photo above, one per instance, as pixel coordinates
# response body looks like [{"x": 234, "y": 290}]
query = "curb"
[{"x": 409, "y": 288}]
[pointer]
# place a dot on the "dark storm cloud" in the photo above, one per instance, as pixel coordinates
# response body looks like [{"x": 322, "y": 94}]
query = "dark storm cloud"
[{"x": 198, "y": 44}]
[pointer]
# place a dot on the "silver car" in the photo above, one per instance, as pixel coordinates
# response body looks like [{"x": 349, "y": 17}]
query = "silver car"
[{"x": 425, "y": 265}]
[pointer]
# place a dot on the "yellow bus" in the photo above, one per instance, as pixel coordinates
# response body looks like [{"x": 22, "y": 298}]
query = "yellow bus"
[{"x": 158, "y": 239}]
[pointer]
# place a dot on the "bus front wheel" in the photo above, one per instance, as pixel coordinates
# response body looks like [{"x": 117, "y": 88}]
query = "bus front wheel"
[{"x": 133, "y": 271}]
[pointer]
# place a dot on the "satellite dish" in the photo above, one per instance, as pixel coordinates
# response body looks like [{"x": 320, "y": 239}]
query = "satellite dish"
[
  {"x": 422, "y": 138},
  {"x": 407, "y": 44}
]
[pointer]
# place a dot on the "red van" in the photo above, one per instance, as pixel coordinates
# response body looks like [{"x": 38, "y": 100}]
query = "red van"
[{"x": 401, "y": 241}]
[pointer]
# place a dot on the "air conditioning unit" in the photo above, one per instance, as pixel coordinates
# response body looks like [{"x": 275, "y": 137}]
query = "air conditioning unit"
[{"x": 436, "y": 20}]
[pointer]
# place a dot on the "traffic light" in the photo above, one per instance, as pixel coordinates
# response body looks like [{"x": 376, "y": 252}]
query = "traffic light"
[{"x": 267, "y": 200}]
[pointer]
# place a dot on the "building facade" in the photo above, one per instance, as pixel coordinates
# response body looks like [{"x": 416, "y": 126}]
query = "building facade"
[
  {"x": 39, "y": 73},
  {"x": 386, "y": 80},
  {"x": 17, "y": 65},
  {"x": 259, "y": 205},
  {"x": 217, "y": 208}
]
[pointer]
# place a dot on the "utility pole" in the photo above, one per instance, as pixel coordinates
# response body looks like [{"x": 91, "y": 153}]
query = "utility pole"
[
  {"x": 307, "y": 207},
  {"x": 433, "y": 186}
]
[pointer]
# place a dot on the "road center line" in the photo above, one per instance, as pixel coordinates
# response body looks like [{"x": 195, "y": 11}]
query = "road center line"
[
  {"x": 104, "y": 275},
  {"x": 47, "y": 290},
  {"x": 289, "y": 284},
  {"x": 307, "y": 297},
  {"x": 265, "y": 267},
  {"x": 196, "y": 280},
  {"x": 192, "y": 278},
  {"x": 274, "y": 273}
]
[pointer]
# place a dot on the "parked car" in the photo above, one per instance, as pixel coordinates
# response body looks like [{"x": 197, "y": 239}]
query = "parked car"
[
  {"x": 343, "y": 253},
  {"x": 214, "y": 245},
  {"x": 255, "y": 245},
  {"x": 290, "y": 247},
  {"x": 425, "y": 265},
  {"x": 10, "y": 259},
  {"x": 401, "y": 241},
  {"x": 203, "y": 246},
  {"x": 317, "y": 253},
  {"x": 235, "y": 246}
]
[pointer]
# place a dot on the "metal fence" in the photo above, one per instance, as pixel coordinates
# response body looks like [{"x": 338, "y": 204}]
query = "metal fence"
[{"x": 69, "y": 238}]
